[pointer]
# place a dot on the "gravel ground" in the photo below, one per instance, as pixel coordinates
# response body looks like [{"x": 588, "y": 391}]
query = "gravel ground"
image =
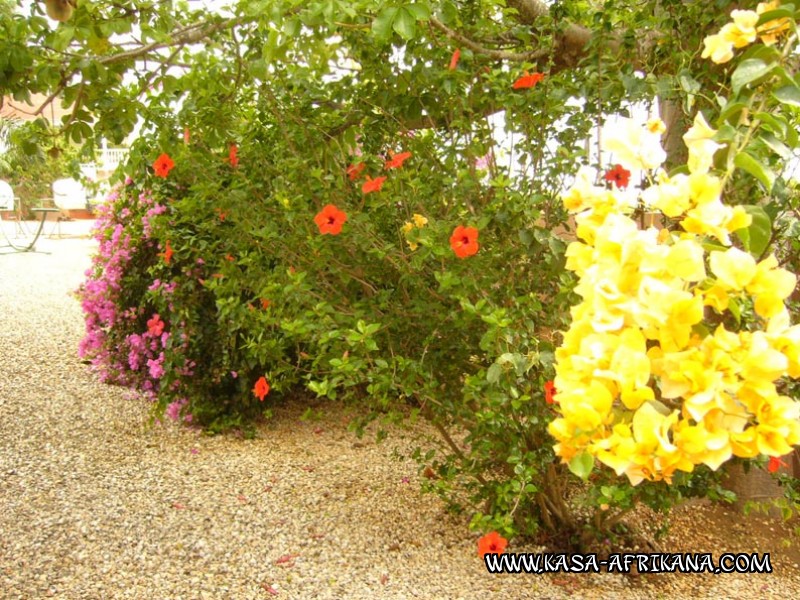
[{"x": 95, "y": 503}]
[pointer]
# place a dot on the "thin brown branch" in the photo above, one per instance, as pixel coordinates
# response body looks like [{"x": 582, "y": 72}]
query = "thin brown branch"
[
  {"x": 188, "y": 35},
  {"x": 531, "y": 56}
]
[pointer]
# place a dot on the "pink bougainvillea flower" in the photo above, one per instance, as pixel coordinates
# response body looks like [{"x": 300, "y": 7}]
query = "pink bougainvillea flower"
[
  {"x": 527, "y": 81},
  {"x": 464, "y": 241},
  {"x": 397, "y": 160},
  {"x": 261, "y": 388},
  {"x": 372, "y": 185},
  {"x": 354, "y": 171},
  {"x": 163, "y": 165},
  {"x": 330, "y": 220},
  {"x": 550, "y": 392},
  {"x": 492, "y": 543},
  {"x": 155, "y": 326},
  {"x": 454, "y": 59},
  {"x": 194, "y": 451},
  {"x": 619, "y": 176},
  {"x": 167, "y": 254},
  {"x": 233, "y": 156}
]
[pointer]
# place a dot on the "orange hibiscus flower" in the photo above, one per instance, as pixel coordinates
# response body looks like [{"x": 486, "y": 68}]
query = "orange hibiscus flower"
[
  {"x": 167, "y": 253},
  {"x": 330, "y": 220},
  {"x": 464, "y": 241},
  {"x": 354, "y": 171},
  {"x": 163, "y": 165},
  {"x": 233, "y": 156},
  {"x": 527, "y": 81},
  {"x": 261, "y": 389},
  {"x": 372, "y": 185},
  {"x": 454, "y": 59},
  {"x": 492, "y": 543},
  {"x": 619, "y": 176},
  {"x": 397, "y": 160},
  {"x": 550, "y": 392}
]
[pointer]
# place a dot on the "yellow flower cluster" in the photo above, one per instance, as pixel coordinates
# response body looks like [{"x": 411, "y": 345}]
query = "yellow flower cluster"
[
  {"x": 743, "y": 31},
  {"x": 646, "y": 384},
  {"x": 417, "y": 221}
]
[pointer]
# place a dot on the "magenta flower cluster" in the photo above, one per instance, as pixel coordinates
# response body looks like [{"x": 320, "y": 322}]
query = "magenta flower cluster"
[{"x": 125, "y": 343}]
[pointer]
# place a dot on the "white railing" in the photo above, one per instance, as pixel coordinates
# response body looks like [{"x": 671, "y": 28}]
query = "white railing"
[{"x": 111, "y": 157}]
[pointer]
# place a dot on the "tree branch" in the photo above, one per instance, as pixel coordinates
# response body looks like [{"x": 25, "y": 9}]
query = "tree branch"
[
  {"x": 188, "y": 35},
  {"x": 478, "y": 49}
]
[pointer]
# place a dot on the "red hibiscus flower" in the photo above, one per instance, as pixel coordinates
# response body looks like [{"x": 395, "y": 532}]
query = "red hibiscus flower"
[
  {"x": 354, "y": 171},
  {"x": 261, "y": 388},
  {"x": 619, "y": 176},
  {"x": 454, "y": 59},
  {"x": 330, "y": 220},
  {"x": 550, "y": 392},
  {"x": 464, "y": 241},
  {"x": 492, "y": 543},
  {"x": 163, "y": 165},
  {"x": 372, "y": 185},
  {"x": 397, "y": 160},
  {"x": 775, "y": 463},
  {"x": 167, "y": 253},
  {"x": 233, "y": 157},
  {"x": 527, "y": 81}
]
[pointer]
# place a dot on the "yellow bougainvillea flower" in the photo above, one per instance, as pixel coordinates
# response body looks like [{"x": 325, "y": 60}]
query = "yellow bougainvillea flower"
[
  {"x": 716, "y": 220},
  {"x": 718, "y": 47},
  {"x": 686, "y": 260},
  {"x": 699, "y": 141},
  {"x": 670, "y": 195},
  {"x": 634, "y": 146},
  {"x": 656, "y": 125},
  {"x": 579, "y": 196},
  {"x": 771, "y": 286},
  {"x": 733, "y": 268},
  {"x": 743, "y": 29},
  {"x": 716, "y": 297},
  {"x": 770, "y": 31}
]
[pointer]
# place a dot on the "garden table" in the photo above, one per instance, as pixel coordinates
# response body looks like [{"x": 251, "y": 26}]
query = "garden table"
[{"x": 30, "y": 240}]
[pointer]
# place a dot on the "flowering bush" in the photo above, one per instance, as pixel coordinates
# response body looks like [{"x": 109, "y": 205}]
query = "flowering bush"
[
  {"x": 348, "y": 226},
  {"x": 678, "y": 352}
]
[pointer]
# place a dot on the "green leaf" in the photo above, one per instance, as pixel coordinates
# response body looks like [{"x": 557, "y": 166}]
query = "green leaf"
[
  {"x": 757, "y": 169},
  {"x": 774, "y": 144},
  {"x": 382, "y": 25},
  {"x": 785, "y": 10},
  {"x": 493, "y": 373},
  {"x": 760, "y": 230},
  {"x": 420, "y": 12},
  {"x": 581, "y": 465},
  {"x": 789, "y": 95},
  {"x": 749, "y": 71},
  {"x": 405, "y": 24},
  {"x": 688, "y": 83},
  {"x": 735, "y": 309},
  {"x": 258, "y": 69}
]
